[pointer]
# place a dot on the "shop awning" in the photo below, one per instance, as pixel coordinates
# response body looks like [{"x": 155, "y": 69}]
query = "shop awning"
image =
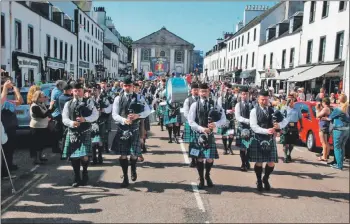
[
  {"x": 288, "y": 74},
  {"x": 313, "y": 73},
  {"x": 247, "y": 73}
]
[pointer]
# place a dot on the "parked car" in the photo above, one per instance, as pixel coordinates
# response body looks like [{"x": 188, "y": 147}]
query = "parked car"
[
  {"x": 309, "y": 135},
  {"x": 22, "y": 111}
]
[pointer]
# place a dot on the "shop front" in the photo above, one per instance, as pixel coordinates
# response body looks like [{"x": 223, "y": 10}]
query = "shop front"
[
  {"x": 27, "y": 69},
  {"x": 54, "y": 69},
  {"x": 71, "y": 70},
  {"x": 83, "y": 68},
  {"x": 248, "y": 76}
]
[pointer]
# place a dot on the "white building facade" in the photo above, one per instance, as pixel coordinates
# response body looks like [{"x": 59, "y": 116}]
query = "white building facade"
[
  {"x": 324, "y": 46},
  {"x": 215, "y": 61}
]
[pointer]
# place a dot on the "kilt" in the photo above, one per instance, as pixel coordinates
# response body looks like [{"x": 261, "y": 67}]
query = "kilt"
[
  {"x": 290, "y": 135},
  {"x": 171, "y": 120},
  {"x": 228, "y": 129},
  {"x": 188, "y": 133},
  {"x": 211, "y": 153},
  {"x": 103, "y": 127},
  {"x": 258, "y": 155},
  {"x": 160, "y": 110},
  {"x": 83, "y": 150},
  {"x": 242, "y": 144},
  {"x": 132, "y": 146}
]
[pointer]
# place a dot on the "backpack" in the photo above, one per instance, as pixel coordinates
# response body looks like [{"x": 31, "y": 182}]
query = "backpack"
[{"x": 9, "y": 119}]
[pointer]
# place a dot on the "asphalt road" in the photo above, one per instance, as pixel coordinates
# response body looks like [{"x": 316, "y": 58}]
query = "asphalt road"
[{"x": 303, "y": 191}]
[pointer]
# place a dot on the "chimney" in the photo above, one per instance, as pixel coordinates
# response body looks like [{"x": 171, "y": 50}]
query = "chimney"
[{"x": 287, "y": 5}]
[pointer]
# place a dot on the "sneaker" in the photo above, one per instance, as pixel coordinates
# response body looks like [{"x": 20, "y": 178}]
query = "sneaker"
[{"x": 336, "y": 167}]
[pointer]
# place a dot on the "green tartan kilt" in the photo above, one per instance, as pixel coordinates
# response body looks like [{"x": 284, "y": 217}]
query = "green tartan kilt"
[
  {"x": 84, "y": 150},
  {"x": 211, "y": 153},
  {"x": 258, "y": 155},
  {"x": 227, "y": 129},
  {"x": 188, "y": 133},
  {"x": 171, "y": 120},
  {"x": 128, "y": 147},
  {"x": 160, "y": 110},
  {"x": 242, "y": 144}
]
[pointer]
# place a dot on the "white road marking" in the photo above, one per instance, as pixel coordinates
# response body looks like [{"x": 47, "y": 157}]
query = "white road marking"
[
  {"x": 34, "y": 168},
  {"x": 198, "y": 197},
  {"x": 37, "y": 178},
  {"x": 184, "y": 152}
]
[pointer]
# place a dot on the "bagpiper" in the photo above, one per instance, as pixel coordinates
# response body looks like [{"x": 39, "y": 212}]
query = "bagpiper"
[
  {"x": 188, "y": 133},
  {"x": 78, "y": 115},
  {"x": 172, "y": 120},
  {"x": 128, "y": 109},
  {"x": 290, "y": 132},
  {"x": 225, "y": 102},
  {"x": 203, "y": 117},
  {"x": 263, "y": 147},
  {"x": 243, "y": 134}
]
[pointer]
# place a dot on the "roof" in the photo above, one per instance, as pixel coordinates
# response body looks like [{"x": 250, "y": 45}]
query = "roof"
[
  {"x": 285, "y": 34},
  {"x": 256, "y": 20},
  {"x": 163, "y": 30}
]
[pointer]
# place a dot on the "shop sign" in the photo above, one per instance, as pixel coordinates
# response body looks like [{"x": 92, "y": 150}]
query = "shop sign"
[
  {"x": 270, "y": 73},
  {"x": 27, "y": 62},
  {"x": 84, "y": 64},
  {"x": 55, "y": 64}
]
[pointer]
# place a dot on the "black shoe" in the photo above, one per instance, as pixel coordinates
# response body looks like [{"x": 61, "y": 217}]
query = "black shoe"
[
  {"x": 177, "y": 141},
  {"x": 77, "y": 182},
  {"x": 285, "y": 160},
  {"x": 201, "y": 183},
  {"x": 144, "y": 148},
  {"x": 100, "y": 160},
  {"x": 289, "y": 158},
  {"x": 247, "y": 165},
  {"x": 125, "y": 182},
  {"x": 231, "y": 152},
  {"x": 225, "y": 152},
  {"x": 193, "y": 163},
  {"x": 209, "y": 181},
  {"x": 259, "y": 185},
  {"x": 170, "y": 141},
  {"x": 133, "y": 175},
  {"x": 85, "y": 179},
  {"x": 94, "y": 161},
  {"x": 244, "y": 168},
  {"x": 43, "y": 159},
  {"x": 266, "y": 184},
  {"x": 332, "y": 163}
]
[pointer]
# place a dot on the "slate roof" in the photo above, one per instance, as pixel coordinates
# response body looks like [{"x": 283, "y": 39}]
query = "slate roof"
[{"x": 285, "y": 34}]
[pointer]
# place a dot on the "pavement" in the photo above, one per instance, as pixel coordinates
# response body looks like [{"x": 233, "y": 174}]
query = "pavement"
[{"x": 166, "y": 192}]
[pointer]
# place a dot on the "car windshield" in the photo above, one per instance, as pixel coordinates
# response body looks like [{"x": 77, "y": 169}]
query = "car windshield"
[{"x": 11, "y": 96}]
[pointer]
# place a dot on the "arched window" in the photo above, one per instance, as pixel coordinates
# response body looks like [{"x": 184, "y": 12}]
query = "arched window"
[
  {"x": 178, "y": 57},
  {"x": 145, "y": 54},
  {"x": 162, "y": 54}
]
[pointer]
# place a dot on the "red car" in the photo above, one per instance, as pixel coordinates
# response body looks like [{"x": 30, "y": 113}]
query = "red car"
[{"x": 310, "y": 133}]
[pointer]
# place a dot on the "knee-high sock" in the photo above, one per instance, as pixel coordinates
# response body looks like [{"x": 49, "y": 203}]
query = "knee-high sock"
[
  {"x": 230, "y": 140},
  {"x": 85, "y": 165},
  {"x": 285, "y": 150},
  {"x": 200, "y": 169},
  {"x": 178, "y": 130},
  {"x": 290, "y": 149},
  {"x": 242, "y": 154},
  {"x": 208, "y": 167},
  {"x": 258, "y": 172},
  {"x": 161, "y": 121},
  {"x": 76, "y": 168},
  {"x": 124, "y": 163},
  {"x": 175, "y": 128},
  {"x": 268, "y": 171},
  {"x": 224, "y": 141},
  {"x": 133, "y": 164},
  {"x": 170, "y": 130}
]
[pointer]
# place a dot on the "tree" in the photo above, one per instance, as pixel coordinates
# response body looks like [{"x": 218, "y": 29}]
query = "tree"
[{"x": 127, "y": 41}]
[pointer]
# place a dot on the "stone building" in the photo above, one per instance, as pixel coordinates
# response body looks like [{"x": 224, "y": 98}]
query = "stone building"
[{"x": 162, "y": 52}]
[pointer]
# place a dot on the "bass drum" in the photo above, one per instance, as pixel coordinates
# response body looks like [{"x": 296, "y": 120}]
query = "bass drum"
[{"x": 176, "y": 90}]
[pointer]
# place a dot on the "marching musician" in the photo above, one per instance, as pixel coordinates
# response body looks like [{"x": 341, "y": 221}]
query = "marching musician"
[
  {"x": 77, "y": 116},
  {"x": 225, "y": 102},
  {"x": 290, "y": 132},
  {"x": 263, "y": 147},
  {"x": 188, "y": 134},
  {"x": 172, "y": 120},
  {"x": 203, "y": 146},
  {"x": 126, "y": 142},
  {"x": 242, "y": 112}
]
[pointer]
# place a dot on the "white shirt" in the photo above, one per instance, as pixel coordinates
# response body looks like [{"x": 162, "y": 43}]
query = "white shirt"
[
  {"x": 121, "y": 120},
  {"x": 187, "y": 107},
  {"x": 192, "y": 116},
  {"x": 257, "y": 129},
  {"x": 238, "y": 116},
  {"x": 69, "y": 123}
]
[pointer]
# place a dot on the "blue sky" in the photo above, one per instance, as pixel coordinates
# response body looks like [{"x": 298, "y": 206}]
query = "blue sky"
[{"x": 200, "y": 23}]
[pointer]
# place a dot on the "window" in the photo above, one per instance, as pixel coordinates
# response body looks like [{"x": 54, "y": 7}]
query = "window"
[
  {"x": 84, "y": 51},
  {"x": 339, "y": 42},
  {"x": 271, "y": 60},
  {"x": 342, "y": 6},
  {"x": 235, "y": 43},
  {"x": 48, "y": 46},
  {"x": 246, "y": 61},
  {"x": 66, "y": 51},
  {"x": 55, "y": 48},
  {"x": 229, "y": 46},
  {"x": 241, "y": 62},
  {"x": 18, "y": 35},
  {"x": 254, "y": 34},
  {"x": 2, "y": 30},
  {"x": 284, "y": 58},
  {"x": 325, "y": 8},
  {"x": 179, "y": 57},
  {"x": 162, "y": 54},
  {"x": 253, "y": 58},
  {"x": 71, "y": 53},
  {"x": 237, "y": 62},
  {"x": 61, "y": 50},
  {"x": 242, "y": 41},
  {"x": 312, "y": 11},
  {"x": 80, "y": 50},
  {"x": 145, "y": 54},
  {"x": 98, "y": 35},
  {"x": 96, "y": 55},
  {"x": 322, "y": 49},
  {"x": 88, "y": 52},
  {"x": 291, "y": 57},
  {"x": 234, "y": 62},
  {"x": 88, "y": 26},
  {"x": 264, "y": 61},
  {"x": 309, "y": 52},
  {"x": 30, "y": 39},
  {"x": 84, "y": 23},
  {"x": 239, "y": 42},
  {"x": 248, "y": 37},
  {"x": 92, "y": 54}
]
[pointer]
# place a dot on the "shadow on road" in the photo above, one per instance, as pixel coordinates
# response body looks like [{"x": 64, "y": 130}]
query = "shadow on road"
[{"x": 43, "y": 220}]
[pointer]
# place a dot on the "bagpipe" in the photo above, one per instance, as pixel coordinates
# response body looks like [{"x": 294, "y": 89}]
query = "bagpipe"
[
  {"x": 174, "y": 109},
  {"x": 104, "y": 100}
]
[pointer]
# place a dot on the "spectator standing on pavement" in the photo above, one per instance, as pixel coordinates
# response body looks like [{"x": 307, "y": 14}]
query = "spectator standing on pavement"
[
  {"x": 39, "y": 120},
  {"x": 31, "y": 92},
  {"x": 323, "y": 110}
]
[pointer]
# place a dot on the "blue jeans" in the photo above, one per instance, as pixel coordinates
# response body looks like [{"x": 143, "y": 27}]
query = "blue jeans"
[{"x": 339, "y": 140}]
